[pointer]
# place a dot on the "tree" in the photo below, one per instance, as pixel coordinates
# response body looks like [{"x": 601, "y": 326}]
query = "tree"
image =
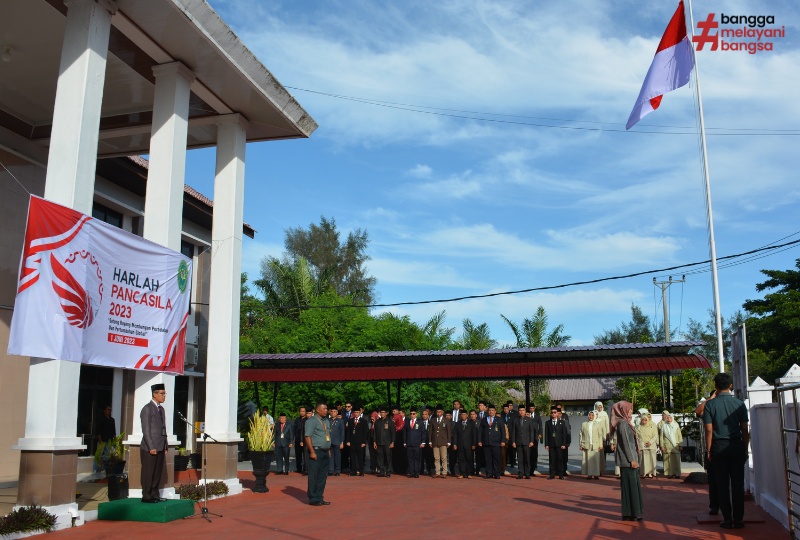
[
  {"x": 475, "y": 337},
  {"x": 773, "y": 325},
  {"x": 638, "y": 330},
  {"x": 533, "y": 332},
  {"x": 340, "y": 264},
  {"x": 289, "y": 286}
]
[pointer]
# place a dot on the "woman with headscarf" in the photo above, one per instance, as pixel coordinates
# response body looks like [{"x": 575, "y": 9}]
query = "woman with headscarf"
[
  {"x": 671, "y": 438},
  {"x": 602, "y": 417},
  {"x": 591, "y": 444},
  {"x": 626, "y": 456},
  {"x": 648, "y": 445}
]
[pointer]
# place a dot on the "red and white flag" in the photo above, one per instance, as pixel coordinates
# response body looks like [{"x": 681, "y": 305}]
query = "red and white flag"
[{"x": 671, "y": 68}]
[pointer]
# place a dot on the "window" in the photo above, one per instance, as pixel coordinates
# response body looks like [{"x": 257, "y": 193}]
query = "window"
[{"x": 103, "y": 213}]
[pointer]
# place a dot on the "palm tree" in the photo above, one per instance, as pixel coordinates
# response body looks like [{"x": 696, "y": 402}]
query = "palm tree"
[
  {"x": 533, "y": 332},
  {"x": 289, "y": 286},
  {"x": 475, "y": 337}
]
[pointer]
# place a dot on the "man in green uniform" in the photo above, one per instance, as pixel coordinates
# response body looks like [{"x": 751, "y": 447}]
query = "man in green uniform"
[
  {"x": 318, "y": 442},
  {"x": 727, "y": 438}
]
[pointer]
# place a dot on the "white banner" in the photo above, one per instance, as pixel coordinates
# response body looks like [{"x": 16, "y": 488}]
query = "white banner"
[{"x": 90, "y": 292}]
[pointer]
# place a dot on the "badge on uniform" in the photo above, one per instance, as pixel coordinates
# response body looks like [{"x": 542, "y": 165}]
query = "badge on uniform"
[
  {"x": 327, "y": 438},
  {"x": 385, "y": 426}
]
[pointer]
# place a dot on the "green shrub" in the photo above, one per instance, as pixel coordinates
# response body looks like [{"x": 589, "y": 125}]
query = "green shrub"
[
  {"x": 195, "y": 492},
  {"x": 27, "y": 519}
]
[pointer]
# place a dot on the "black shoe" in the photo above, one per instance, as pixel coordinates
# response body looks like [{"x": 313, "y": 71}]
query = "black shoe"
[
  {"x": 315, "y": 503},
  {"x": 560, "y": 477},
  {"x": 326, "y": 503},
  {"x": 713, "y": 512},
  {"x": 527, "y": 477},
  {"x": 150, "y": 501},
  {"x": 551, "y": 477},
  {"x": 161, "y": 499},
  {"x": 519, "y": 477},
  {"x": 726, "y": 525},
  {"x": 738, "y": 525},
  {"x": 388, "y": 475}
]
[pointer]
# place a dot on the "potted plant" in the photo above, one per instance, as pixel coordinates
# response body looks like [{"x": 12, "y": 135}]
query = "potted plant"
[
  {"x": 261, "y": 443},
  {"x": 181, "y": 459},
  {"x": 110, "y": 455}
]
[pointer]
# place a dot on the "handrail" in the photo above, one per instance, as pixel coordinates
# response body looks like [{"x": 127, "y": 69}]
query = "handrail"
[{"x": 791, "y": 494}]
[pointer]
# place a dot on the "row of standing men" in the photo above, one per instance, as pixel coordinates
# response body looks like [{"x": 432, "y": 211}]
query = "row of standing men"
[{"x": 438, "y": 443}]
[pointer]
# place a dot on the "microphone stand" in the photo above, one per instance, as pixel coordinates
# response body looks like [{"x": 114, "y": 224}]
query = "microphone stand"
[{"x": 204, "y": 513}]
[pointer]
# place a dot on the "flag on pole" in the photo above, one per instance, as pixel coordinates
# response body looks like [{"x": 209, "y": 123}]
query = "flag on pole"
[{"x": 671, "y": 68}]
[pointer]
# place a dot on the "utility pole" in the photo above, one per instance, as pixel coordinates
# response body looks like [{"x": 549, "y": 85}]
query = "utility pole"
[{"x": 664, "y": 285}]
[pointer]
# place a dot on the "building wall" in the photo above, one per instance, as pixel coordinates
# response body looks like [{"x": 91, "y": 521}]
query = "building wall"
[{"x": 13, "y": 369}]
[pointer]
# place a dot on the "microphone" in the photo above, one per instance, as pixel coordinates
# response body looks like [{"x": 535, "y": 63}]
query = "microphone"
[{"x": 180, "y": 415}]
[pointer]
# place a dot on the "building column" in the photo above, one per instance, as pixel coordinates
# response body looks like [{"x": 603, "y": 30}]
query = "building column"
[
  {"x": 163, "y": 218},
  {"x": 49, "y": 450},
  {"x": 222, "y": 371}
]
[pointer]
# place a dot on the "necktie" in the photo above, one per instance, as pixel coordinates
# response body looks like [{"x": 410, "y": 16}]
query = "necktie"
[
  {"x": 412, "y": 424},
  {"x": 490, "y": 421}
]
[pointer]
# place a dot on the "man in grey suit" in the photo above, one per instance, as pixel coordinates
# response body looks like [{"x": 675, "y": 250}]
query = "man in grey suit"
[{"x": 154, "y": 444}]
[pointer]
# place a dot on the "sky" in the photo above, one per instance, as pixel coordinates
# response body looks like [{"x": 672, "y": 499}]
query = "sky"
[{"x": 482, "y": 146}]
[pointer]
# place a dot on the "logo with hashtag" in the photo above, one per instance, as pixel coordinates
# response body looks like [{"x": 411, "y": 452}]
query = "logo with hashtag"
[
  {"x": 749, "y": 33},
  {"x": 706, "y": 36}
]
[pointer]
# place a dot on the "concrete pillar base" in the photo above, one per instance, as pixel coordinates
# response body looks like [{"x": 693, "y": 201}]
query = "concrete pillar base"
[
  {"x": 134, "y": 467},
  {"x": 47, "y": 478},
  {"x": 222, "y": 463}
]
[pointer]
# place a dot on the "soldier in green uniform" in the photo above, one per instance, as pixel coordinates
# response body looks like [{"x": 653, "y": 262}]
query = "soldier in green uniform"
[{"x": 318, "y": 442}]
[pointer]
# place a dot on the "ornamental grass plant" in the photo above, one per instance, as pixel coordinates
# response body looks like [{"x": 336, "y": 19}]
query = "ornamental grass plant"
[{"x": 261, "y": 437}]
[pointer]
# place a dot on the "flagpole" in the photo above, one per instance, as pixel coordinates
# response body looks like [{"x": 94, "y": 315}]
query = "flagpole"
[{"x": 712, "y": 248}]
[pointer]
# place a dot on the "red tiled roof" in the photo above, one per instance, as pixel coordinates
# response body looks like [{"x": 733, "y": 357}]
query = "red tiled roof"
[{"x": 145, "y": 164}]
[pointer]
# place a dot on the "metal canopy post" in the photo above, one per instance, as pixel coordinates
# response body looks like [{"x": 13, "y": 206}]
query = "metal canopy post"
[
  {"x": 527, "y": 391},
  {"x": 399, "y": 385}
]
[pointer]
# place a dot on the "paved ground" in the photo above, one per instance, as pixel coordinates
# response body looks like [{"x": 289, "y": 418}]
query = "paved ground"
[{"x": 401, "y": 508}]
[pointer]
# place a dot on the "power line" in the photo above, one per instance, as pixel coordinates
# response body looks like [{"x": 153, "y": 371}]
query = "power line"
[
  {"x": 450, "y": 113},
  {"x": 543, "y": 288}
]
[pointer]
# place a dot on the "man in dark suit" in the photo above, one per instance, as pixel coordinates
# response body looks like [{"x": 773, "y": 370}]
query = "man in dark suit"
[
  {"x": 384, "y": 442},
  {"x": 480, "y": 457},
  {"x": 557, "y": 440},
  {"x": 427, "y": 450},
  {"x": 356, "y": 440},
  {"x": 414, "y": 438},
  {"x": 523, "y": 436},
  {"x": 337, "y": 443},
  {"x": 465, "y": 440},
  {"x": 284, "y": 441},
  {"x": 539, "y": 427},
  {"x": 564, "y": 417},
  {"x": 298, "y": 430},
  {"x": 154, "y": 444},
  {"x": 492, "y": 439},
  {"x": 510, "y": 419}
]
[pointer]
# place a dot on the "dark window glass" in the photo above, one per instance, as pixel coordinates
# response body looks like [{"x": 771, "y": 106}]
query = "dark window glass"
[{"x": 103, "y": 213}]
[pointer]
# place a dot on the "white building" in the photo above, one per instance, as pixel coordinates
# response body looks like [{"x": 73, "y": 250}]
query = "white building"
[{"x": 84, "y": 83}]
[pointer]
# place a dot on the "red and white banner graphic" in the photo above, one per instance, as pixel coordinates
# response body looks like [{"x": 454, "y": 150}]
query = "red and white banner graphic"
[{"x": 90, "y": 292}]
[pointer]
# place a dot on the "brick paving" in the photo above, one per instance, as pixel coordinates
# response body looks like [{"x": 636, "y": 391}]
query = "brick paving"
[{"x": 400, "y": 508}]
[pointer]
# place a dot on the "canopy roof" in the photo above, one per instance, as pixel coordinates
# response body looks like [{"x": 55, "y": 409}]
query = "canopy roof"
[
  {"x": 229, "y": 78},
  {"x": 553, "y": 362}
]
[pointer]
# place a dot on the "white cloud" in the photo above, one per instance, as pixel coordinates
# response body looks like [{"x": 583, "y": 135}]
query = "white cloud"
[{"x": 420, "y": 171}]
